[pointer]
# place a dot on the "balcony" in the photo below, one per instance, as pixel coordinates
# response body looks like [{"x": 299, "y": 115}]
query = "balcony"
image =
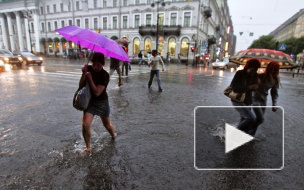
[{"x": 163, "y": 30}]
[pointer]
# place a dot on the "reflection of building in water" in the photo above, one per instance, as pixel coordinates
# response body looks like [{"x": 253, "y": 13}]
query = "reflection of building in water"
[{"x": 182, "y": 24}]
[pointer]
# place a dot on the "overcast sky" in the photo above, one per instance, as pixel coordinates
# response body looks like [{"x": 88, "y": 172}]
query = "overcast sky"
[{"x": 260, "y": 17}]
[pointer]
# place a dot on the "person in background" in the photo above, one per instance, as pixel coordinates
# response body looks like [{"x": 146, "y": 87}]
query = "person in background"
[
  {"x": 270, "y": 80},
  {"x": 154, "y": 65},
  {"x": 246, "y": 81},
  {"x": 114, "y": 65},
  {"x": 140, "y": 55},
  {"x": 98, "y": 80},
  {"x": 125, "y": 65},
  {"x": 178, "y": 59}
]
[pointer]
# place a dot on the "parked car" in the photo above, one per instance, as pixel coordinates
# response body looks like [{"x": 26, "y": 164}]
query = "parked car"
[
  {"x": 2, "y": 66},
  {"x": 8, "y": 58},
  {"x": 29, "y": 58},
  {"x": 73, "y": 53}
]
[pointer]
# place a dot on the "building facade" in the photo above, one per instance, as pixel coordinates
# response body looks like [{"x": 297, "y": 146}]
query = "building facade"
[{"x": 203, "y": 24}]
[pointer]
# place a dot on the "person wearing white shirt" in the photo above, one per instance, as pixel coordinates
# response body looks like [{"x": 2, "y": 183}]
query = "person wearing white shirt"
[{"x": 154, "y": 63}]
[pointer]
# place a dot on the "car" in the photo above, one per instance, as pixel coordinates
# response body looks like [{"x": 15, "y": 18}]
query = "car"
[
  {"x": 221, "y": 64},
  {"x": 7, "y": 57},
  {"x": 2, "y": 66},
  {"x": 225, "y": 64},
  {"x": 29, "y": 58}
]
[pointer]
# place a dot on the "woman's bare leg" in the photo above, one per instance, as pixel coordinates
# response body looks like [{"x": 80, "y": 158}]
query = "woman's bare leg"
[
  {"x": 86, "y": 131},
  {"x": 107, "y": 124}
]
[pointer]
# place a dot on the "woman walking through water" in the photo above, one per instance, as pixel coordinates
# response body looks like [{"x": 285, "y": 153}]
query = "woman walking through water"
[
  {"x": 270, "y": 80},
  {"x": 98, "y": 79},
  {"x": 246, "y": 81}
]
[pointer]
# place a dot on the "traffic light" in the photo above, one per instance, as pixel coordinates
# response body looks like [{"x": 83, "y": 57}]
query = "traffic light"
[{"x": 192, "y": 49}]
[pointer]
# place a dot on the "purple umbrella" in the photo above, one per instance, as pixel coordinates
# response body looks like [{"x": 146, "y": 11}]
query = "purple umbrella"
[{"x": 94, "y": 41}]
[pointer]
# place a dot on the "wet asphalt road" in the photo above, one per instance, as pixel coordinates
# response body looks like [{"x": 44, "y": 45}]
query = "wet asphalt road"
[{"x": 41, "y": 141}]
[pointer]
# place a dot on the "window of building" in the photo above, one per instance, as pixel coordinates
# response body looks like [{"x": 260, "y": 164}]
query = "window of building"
[
  {"x": 115, "y": 22},
  {"x": 41, "y": 10},
  {"x": 95, "y": 23},
  {"x": 172, "y": 46},
  {"x": 114, "y": 3},
  {"x": 149, "y": 2},
  {"x": 62, "y": 24},
  {"x": 48, "y": 9},
  {"x": 161, "y": 19},
  {"x": 51, "y": 47},
  {"x": 104, "y": 3},
  {"x": 86, "y": 23},
  {"x": 148, "y": 45},
  {"x": 187, "y": 16},
  {"x": 148, "y": 19},
  {"x": 136, "y": 23},
  {"x": 184, "y": 47},
  {"x": 137, "y": 2},
  {"x": 95, "y": 4},
  {"x": 61, "y": 7},
  {"x": 49, "y": 26},
  {"x": 57, "y": 46},
  {"x": 173, "y": 19},
  {"x": 54, "y": 7},
  {"x": 70, "y": 22},
  {"x": 69, "y": 7},
  {"x": 55, "y": 25},
  {"x": 124, "y": 22},
  {"x": 78, "y": 22},
  {"x": 77, "y": 6},
  {"x": 136, "y": 46},
  {"x": 125, "y": 3},
  {"x": 42, "y": 27},
  {"x": 105, "y": 22}
]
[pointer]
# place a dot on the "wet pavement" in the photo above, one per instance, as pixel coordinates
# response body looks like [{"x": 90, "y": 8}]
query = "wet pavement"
[{"x": 41, "y": 140}]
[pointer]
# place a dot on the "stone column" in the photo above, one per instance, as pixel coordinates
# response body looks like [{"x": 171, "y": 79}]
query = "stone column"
[
  {"x": 27, "y": 34},
  {"x": 19, "y": 31},
  {"x": 4, "y": 32},
  {"x": 37, "y": 33},
  {"x": 10, "y": 31}
]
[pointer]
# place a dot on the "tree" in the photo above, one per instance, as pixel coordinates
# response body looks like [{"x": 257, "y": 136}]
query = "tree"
[
  {"x": 264, "y": 42},
  {"x": 290, "y": 45}
]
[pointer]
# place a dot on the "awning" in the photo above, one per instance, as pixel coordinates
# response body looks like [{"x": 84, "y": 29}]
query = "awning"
[
  {"x": 56, "y": 39},
  {"x": 42, "y": 40},
  {"x": 49, "y": 40},
  {"x": 63, "y": 39}
]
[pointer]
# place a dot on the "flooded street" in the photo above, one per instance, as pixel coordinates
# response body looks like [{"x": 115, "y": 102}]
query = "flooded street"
[{"x": 41, "y": 140}]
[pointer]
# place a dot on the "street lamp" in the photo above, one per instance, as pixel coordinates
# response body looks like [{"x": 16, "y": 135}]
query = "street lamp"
[{"x": 152, "y": 5}]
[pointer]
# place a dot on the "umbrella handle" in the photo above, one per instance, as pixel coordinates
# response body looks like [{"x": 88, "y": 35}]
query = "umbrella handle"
[{"x": 91, "y": 55}]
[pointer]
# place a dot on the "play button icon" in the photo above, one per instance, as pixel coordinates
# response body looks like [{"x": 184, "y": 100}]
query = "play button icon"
[{"x": 235, "y": 138}]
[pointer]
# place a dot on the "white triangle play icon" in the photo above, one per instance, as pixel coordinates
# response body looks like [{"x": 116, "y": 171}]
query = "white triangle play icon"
[{"x": 235, "y": 138}]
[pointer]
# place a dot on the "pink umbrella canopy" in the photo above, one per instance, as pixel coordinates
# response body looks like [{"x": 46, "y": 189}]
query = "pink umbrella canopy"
[{"x": 94, "y": 41}]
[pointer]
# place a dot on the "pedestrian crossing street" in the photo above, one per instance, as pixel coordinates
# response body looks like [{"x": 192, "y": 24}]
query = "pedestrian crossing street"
[{"x": 69, "y": 77}]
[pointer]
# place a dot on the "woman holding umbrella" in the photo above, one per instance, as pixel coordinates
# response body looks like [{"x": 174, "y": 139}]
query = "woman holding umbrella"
[
  {"x": 98, "y": 79},
  {"x": 270, "y": 80},
  {"x": 245, "y": 81}
]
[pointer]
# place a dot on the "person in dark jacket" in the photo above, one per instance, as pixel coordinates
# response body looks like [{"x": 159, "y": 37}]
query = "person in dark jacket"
[
  {"x": 246, "y": 81},
  {"x": 269, "y": 81},
  {"x": 114, "y": 65}
]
